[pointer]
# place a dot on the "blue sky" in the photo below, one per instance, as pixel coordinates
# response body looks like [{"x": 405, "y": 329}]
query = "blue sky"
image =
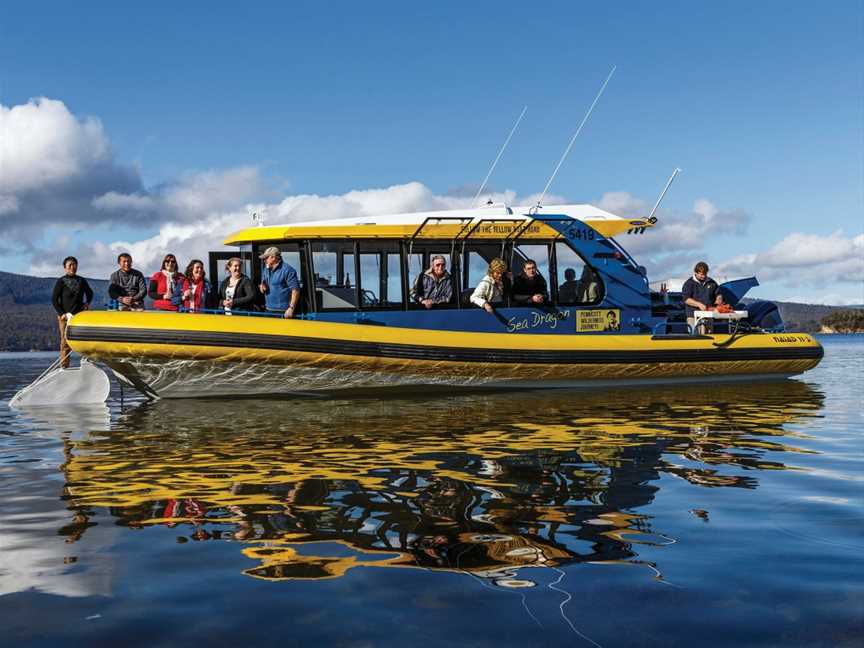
[{"x": 761, "y": 104}]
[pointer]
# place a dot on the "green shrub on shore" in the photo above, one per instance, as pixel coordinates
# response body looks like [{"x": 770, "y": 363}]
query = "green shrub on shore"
[{"x": 845, "y": 321}]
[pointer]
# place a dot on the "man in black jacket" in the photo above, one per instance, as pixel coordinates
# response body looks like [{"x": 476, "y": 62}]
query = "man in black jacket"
[
  {"x": 700, "y": 292},
  {"x": 530, "y": 286},
  {"x": 71, "y": 295}
]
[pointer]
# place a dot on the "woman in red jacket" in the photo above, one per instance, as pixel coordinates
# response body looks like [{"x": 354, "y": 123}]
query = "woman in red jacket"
[
  {"x": 163, "y": 284},
  {"x": 196, "y": 292}
]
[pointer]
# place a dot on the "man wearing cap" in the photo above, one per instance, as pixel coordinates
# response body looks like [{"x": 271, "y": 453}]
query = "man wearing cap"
[{"x": 279, "y": 283}]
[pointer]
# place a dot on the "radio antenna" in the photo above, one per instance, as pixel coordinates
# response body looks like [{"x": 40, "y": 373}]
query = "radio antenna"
[
  {"x": 651, "y": 217},
  {"x": 570, "y": 145},
  {"x": 506, "y": 142}
]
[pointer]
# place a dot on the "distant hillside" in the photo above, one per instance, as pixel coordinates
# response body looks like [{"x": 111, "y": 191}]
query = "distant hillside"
[
  {"x": 28, "y": 322},
  {"x": 27, "y": 319},
  {"x": 806, "y": 318}
]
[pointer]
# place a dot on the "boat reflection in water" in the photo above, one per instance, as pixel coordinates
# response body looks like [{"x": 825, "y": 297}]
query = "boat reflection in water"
[{"x": 487, "y": 484}]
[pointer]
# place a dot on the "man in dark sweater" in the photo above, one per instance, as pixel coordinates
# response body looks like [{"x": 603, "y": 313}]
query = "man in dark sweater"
[
  {"x": 127, "y": 286},
  {"x": 71, "y": 295},
  {"x": 530, "y": 286},
  {"x": 700, "y": 292}
]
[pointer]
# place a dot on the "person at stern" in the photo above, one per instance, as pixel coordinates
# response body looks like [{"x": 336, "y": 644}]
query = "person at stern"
[
  {"x": 279, "y": 283},
  {"x": 72, "y": 294},
  {"x": 700, "y": 292}
]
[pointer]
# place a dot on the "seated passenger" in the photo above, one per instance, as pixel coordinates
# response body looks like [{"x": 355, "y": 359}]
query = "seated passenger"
[
  {"x": 236, "y": 293},
  {"x": 568, "y": 292},
  {"x": 700, "y": 292},
  {"x": 127, "y": 286},
  {"x": 435, "y": 286},
  {"x": 279, "y": 283},
  {"x": 195, "y": 292},
  {"x": 163, "y": 284},
  {"x": 588, "y": 284},
  {"x": 530, "y": 286},
  {"x": 490, "y": 290}
]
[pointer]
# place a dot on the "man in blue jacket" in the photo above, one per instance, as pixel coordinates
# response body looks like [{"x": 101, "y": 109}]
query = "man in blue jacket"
[{"x": 279, "y": 283}]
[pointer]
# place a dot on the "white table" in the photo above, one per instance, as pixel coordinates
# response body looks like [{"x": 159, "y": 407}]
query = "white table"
[{"x": 700, "y": 316}]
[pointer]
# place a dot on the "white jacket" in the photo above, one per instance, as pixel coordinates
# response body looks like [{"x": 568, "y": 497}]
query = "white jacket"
[{"x": 487, "y": 291}]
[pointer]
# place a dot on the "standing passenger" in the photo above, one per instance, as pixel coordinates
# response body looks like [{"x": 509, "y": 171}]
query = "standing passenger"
[
  {"x": 490, "y": 290},
  {"x": 127, "y": 286},
  {"x": 163, "y": 284},
  {"x": 700, "y": 292},
  {"x": 72, "y": 294},
  {"x": 279, "y": 283},
  {"x": 196, "y": 293},
  {"x": 236, "y": 292}
]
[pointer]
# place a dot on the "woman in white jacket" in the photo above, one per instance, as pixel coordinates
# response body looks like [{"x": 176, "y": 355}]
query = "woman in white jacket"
[{"x": 490, "y": 290}]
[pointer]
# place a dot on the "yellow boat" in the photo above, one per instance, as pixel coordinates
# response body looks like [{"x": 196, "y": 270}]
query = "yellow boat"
[{"x": 359, "y": 325}]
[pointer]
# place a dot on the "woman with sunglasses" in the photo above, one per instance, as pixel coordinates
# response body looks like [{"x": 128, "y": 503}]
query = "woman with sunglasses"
[{"x": 163, "y": 285}]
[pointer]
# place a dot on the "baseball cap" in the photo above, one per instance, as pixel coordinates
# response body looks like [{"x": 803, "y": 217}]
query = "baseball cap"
[{"x": 271, "y": 251}]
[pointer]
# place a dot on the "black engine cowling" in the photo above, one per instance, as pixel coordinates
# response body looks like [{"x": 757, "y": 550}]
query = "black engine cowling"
[{"x": 765, "y": 315}]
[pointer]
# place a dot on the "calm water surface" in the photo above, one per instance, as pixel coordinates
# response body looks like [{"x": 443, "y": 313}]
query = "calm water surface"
[{"x": 723, "y": 515}]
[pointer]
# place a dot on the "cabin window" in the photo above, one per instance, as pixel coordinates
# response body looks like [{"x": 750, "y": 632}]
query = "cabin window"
[
  {"x": 419, "y": 261},
  {"x": 577, "y": 282},
  {"x": 380, "y": 275},
  {"x": 539, "y": 253},
  {"x": 334, "y": 275}
]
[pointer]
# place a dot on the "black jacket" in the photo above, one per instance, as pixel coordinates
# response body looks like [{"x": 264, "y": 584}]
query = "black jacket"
[
  {"x": 70, "y": 294},
  {"x": 524, "y": 289},
  {"x": 244, "y": 294}
]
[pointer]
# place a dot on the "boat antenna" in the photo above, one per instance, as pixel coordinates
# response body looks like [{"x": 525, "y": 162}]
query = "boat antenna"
[
  {"x": 506, "y": 142},
  {"x": 651, "y": 218},
  {"x": 570, "y": 145}
]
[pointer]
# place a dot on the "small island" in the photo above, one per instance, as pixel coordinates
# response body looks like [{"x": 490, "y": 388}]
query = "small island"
[{"x": 844, "y": 321}]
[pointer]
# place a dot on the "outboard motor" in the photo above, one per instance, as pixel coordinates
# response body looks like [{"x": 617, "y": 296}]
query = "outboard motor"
[{"x": 765, "y": 315}]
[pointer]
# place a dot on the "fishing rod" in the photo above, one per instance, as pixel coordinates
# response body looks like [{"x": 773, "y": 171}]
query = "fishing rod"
[
  {"x": 506, "y": 142},
  {"x": 570, "y": 145}
]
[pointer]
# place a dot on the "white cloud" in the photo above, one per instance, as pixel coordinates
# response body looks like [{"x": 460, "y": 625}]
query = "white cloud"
[
  {"x": 44, "y": 144},
  {"x": 802, "y": 260},
  {"x": 675, "y": 232},
  {"x": 192, "y": 197},
  {"x": 202, "y": 213},
  {"x": 799, "y": 249},
  {"x": 51, "y": 166}
]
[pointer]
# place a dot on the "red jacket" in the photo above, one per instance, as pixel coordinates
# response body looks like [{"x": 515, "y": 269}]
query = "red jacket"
[
  {"x": 202, "y": 298},
  {"x": 159, "y": 286}
]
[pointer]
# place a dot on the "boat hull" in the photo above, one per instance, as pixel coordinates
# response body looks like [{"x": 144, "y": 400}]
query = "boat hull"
[{"x": 170, "y": 355}]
